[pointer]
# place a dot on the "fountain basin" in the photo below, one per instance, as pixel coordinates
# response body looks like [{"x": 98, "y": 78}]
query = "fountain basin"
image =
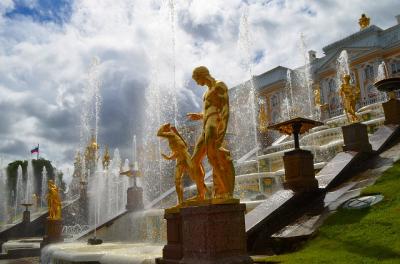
[{"x": 388, "y": 84}]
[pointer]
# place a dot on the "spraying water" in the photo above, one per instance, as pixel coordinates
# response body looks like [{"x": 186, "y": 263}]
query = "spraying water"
[
  {"x": 382, "y": 72},
  {"x": 44, "y": 187}
]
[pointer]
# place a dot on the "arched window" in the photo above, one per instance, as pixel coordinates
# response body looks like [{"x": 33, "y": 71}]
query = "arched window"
[
  {"x": 395, "y": 67},
  {"x": 332, "y": 86},
  {"x": 369, "y": 72}
]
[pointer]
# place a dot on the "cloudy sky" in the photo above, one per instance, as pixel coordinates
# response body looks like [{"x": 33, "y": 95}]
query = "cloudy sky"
[{"x": 47, "y": 48}]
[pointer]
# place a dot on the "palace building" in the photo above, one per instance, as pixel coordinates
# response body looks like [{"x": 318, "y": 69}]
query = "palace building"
[{"x": 366, "y": 50}]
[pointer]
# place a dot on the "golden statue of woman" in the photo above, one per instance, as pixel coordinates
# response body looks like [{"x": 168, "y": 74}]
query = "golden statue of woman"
[
  {"x": 181, "y": 154},
  {"x": 53, "y": 201},
  {"x": 215, "y": 117},
  {"x": 349, "y": 95}
]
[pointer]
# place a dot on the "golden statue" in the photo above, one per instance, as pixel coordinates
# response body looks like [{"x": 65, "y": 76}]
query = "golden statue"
[
  {"x": 181, "y": 154},
  {"x": 106, "y": 158},
  {"x": 363, "y": 21},
  {"x": 262, "y": 119},
  {"x": 91, "y": 149},
  {"x": 317, "y": 97},
  {"x": 215, "y": 117},
  {"x": 53, "y": 201},
  {"x": 349, "y": 95}
]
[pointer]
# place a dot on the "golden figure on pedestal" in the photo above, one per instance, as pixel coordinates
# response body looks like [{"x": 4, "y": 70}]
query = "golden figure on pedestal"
[
  {"x": 363, "y": 21},
  {"x": 181, "y": 154},
  {"x": 106, "y": 158},
  {"x": 53, "y": 201},
  {"x": 349, "y": 94},
  {"x": 262, "y": 119},
  {"x": 215, "y": 117}
]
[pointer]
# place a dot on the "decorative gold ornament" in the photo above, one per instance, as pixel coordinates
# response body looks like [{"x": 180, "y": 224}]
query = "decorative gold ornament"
[{"x": 363, "y": 21}]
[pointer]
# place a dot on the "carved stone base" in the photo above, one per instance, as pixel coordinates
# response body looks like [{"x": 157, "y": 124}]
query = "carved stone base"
[
  {"x": 214, "y": 234},
  {"x": 53, "y": 230},
  {"x": 206, "y": 234},
  {"x": 26, "y": 217},
  {"x": 134, "y": 199},
  {"x": 299, "y": 171},
  {"x": 355, "y": 137},
  {"x": 392, "y": 111},
  {"x": 172, "y": 252}
]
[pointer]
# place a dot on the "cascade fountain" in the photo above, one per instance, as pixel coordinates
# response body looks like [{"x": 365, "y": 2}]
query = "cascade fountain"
[
  {"x": 29, "y": 185},
  {"x": 18, "y": 192},
  {"x": 4, "y": 197},
  {"x": 43, "y": 202}
]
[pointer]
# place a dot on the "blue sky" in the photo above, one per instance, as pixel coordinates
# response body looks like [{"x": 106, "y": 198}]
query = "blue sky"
[{"x": 57, "y": 11}]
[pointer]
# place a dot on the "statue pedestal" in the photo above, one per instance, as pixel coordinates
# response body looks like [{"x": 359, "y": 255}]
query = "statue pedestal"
[
  {"x": 134, "y": 199},
  {"x": 355, "y": 138},
  {"x": 26, "y": 217},
  {"x": 208, "y": 234},
  {"x": 52, "y": 233},
  {"x": 392, "y": 111},
  {"x": 299, "y": 171},
  {"x": 172, "y": 251}
]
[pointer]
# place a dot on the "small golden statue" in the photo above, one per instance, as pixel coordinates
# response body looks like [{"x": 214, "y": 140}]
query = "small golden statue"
[
  {"x": 363, "y": 21},
  {"x": 349, "y": 95},
  {"x": 317, "y": 97},
  {"x": 53, "y": 201},
  {"x": 180, "y": 152},
  {"x": 106, "y": 158},
  {"x": 262, "y": 119},
  {"x": 215, "y": 117}
]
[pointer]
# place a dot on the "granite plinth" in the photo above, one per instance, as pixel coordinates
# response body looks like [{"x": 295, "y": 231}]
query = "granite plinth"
[
  {"x": 134, "y": 199},
  {"x": 391, "y": 109},
  {"x": 172, "y": 252},
  {"x": 299, "y": 171},
  {"x": 26, "y": 217},
  {"x": 355, "y": 137},
  {"x": 53, "y": 230},
  {"x": 214, "y": 234},
  {"x": 206, "y": 234}
]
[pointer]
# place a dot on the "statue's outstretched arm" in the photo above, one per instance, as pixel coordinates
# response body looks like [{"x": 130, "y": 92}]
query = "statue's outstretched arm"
[{"x": 172, "y": 156}]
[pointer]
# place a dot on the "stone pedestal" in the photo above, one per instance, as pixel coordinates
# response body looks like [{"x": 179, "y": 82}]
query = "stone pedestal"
[
  {"x": 355, "y": 137},
  {"x": 172, "y": 251},
  {"x": 299, "y": 171},
  {"x": 26, "y": 217},
  {"x": 134, "y": 199},
  {"x": 52, "y": 233},
  {"x": 214, "y": 234},
  {"x": 392, "y": 111}
]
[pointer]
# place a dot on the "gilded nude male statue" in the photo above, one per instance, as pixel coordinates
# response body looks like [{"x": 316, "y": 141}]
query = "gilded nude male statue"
[
  {"x": 215, "y": 117},
  {"x": 53, "y": 201},
  {"x": 349, "y": 95}
]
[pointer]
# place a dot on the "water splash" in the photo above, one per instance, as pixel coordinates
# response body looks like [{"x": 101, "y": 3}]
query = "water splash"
[
  {"x": 44, "y": 187},
  {"x": 382, "y": 72}
]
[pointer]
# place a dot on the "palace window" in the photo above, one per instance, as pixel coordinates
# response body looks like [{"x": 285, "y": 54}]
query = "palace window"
[
  {"x": 395, "y": 67},
  {"x": 369, "y": 72},
  {"x": 274, "y": 101},
  {"x": 332, "y": 86}
]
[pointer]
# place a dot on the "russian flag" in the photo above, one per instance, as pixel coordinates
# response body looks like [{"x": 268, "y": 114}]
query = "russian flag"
[{"x": 35, "y": 150}]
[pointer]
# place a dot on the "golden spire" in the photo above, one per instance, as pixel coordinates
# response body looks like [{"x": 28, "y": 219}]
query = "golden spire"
[
  {"x": 106, "y": 158},
  {"x": 363, "y": 21},
  {"x": 262, "y": 119}
]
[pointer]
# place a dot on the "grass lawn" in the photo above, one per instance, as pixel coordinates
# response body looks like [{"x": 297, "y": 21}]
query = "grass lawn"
[{"x": 357, "y": 236}]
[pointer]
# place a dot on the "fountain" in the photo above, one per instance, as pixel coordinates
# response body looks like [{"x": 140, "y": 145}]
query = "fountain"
[
  {"x": 43, "y": 188},
  {"x": 18, "y": 192},
  {"x": 391, "y": 107}
]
